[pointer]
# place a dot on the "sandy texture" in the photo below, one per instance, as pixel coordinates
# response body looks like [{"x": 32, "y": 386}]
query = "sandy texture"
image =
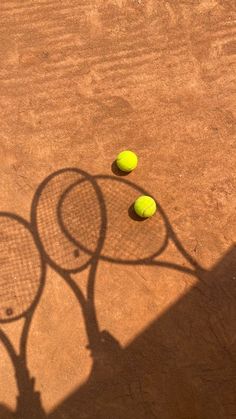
[{"x": 81, "y": 80}]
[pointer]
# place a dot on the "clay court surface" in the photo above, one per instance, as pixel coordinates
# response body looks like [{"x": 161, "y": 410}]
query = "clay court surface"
[{"x": 81, "y": 80}]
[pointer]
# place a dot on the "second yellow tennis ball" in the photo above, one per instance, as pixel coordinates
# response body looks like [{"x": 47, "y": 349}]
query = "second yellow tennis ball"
[
  {"x": 145, "y": 206},
  {"x": 127, "y": 161}
]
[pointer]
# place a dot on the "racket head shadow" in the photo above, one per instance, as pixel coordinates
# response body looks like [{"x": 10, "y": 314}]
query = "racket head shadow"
[
  {"x": 23, "y": 270},
  {"x": 60, "y": 251},
  {"x": 126, "y": 240}
]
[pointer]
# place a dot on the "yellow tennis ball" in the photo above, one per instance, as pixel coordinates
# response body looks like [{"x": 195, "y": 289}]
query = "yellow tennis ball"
[
  {"x": 145, "y": 206},
  {"x": 127, "y": 161}
]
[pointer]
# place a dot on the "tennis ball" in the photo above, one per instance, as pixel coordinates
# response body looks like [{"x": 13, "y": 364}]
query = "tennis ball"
[
  {"x": 145, "y": 206},
  {"x": 127, "y": 161}
]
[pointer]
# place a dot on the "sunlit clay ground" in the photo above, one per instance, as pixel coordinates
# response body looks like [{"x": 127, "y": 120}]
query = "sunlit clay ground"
[{"x": 130, "y": 319}]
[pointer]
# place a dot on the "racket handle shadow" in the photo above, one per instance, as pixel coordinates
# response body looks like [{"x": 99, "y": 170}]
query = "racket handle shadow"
[
  {"x": 29, "y": 403},
  {"x": 106, "y": 343},
  {"x": 105, "y": 355}
]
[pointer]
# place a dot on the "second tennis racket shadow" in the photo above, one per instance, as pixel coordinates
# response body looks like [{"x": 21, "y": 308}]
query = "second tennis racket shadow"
[
  {"x": 74, "y": 195},
  {"x": 21, "y": 284}
]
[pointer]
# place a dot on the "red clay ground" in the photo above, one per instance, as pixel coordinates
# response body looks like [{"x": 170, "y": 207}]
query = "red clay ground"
[{"x": 81, "y": 80}]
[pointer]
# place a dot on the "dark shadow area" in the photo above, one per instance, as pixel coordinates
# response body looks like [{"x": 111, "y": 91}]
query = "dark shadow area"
[
  {"x": 133, "y": 215},
  {"x": 6, "y": 413},
  {"x": 116, "y": 171},
  {"x": 183, "y": 365}
]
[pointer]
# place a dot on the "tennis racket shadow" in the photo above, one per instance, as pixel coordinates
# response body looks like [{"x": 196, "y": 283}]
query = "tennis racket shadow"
[
  {"x": 124, "y": 239},
  {"x": 80, "y": 220},
  {"x": 75, "y": 195},
  {"x": 22, "y": 281}
]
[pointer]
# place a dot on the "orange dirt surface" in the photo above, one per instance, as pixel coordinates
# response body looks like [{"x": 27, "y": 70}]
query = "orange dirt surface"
[{"x": 130, "y": 319}]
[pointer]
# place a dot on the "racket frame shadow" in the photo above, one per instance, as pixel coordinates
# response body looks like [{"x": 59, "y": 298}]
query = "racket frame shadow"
[
  {"x": 25, "y": 383},
  {"x": 87, "y": 302}
]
